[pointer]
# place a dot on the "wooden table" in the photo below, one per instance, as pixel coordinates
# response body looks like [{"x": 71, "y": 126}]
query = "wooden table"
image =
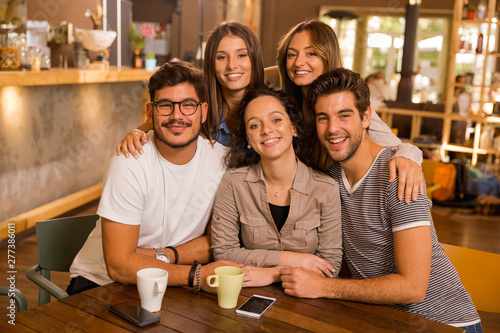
[{"x": 185, "y": 310}]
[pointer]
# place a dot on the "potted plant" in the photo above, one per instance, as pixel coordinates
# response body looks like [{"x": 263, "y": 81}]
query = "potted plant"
[
  {"x": 137, "y": 44},
  {"x": 137, "y": 35},
  {"x": 150, "y": 60}
]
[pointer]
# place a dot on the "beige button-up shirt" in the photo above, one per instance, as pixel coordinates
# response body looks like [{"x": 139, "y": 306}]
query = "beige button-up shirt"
[{"x": 241, "y": 211}]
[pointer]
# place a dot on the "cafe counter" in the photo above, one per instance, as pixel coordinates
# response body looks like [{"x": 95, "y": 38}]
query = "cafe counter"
[
  {"x": 72, "y": 76},
  {"x": 59, "y": 129}
]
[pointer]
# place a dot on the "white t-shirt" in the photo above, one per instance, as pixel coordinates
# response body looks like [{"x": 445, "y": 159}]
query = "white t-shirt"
[{"x": 171, "y": 203}]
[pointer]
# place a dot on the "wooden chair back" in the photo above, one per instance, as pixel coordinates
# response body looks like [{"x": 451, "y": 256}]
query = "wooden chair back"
[{"x": 480, "y": 274}]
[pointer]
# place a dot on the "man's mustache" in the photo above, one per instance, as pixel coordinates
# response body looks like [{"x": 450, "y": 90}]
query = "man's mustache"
[{"x": 176, "y": 122}]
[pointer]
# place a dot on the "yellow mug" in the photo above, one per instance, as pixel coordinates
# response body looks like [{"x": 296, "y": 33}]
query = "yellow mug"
[{"x": 228, "y": 281}]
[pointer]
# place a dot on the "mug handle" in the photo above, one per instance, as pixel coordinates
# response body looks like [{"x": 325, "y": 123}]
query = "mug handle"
[
  {"x": 215, "y": 283},
  {"x": 159, "y": 287}
]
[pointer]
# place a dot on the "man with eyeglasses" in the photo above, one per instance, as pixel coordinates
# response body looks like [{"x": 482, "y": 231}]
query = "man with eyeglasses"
[{"x": 155, "y": 211}]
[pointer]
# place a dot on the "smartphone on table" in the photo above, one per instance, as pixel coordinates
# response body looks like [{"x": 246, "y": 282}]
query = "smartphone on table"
[
  {"x": 134, "y": 313},
  {"x": 255, "y": 306}
]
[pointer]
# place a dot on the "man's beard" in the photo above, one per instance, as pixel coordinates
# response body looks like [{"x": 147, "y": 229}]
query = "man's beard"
[
  {"x": 354, "y": 143},
  {"x": 171, "y": 144}
]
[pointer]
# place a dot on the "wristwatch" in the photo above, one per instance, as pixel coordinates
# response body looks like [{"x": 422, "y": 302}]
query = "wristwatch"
[{"x": 160, "y": 255}]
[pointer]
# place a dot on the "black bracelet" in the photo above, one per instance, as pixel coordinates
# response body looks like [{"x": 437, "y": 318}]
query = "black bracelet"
[
  {"x": 175, "y": 252},
  {"x": 192, "y": 273}
]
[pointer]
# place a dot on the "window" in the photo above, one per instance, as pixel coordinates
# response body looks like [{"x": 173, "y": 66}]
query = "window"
[
  {"x": 345, "y": 25},
  {"x": 382, "y": 49}
]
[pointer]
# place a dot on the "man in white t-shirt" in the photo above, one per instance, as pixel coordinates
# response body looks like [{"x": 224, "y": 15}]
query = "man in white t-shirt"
[
  {"x": 390, "y": 246},
  {"x": 155, "y": 210}
]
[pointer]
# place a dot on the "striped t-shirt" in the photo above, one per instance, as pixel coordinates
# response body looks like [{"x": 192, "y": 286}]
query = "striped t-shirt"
[{"x": 371, "y": 212}]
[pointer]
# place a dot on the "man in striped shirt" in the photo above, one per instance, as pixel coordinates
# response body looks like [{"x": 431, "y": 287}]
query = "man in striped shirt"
[{"x": 391, "y": 247}]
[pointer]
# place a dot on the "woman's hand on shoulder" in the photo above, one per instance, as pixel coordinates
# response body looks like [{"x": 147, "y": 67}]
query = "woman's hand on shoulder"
[
  {"x": 411, "y": 180},
  {"x": 132, "y": 143},
  {"x": 307, "y": 260}
]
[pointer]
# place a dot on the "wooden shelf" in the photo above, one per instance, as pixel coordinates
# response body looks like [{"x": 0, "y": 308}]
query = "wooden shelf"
[
  {"x": 427, "y": 145},
  {"x": 475, "y": 21},
  {"x": 493, "y": 151},
  {"x": 470, "y": 150},
  {"x": 58, "y": 76},
  {"x": 481, "y": 86}
]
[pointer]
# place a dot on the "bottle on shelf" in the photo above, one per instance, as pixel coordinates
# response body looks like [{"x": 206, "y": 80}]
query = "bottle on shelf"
[
  {"x": 137, "y": 59},
  {"x": 465, "y": 10},
  {"x": 479, "y": 48},
  {"x": 468, "y": 45},
  {"x": 481, "y": 10},
  {"x": 461, "y": 43}
]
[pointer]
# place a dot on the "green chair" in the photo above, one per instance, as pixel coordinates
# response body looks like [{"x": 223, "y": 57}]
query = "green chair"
[
  {"x": 16, "y": 295},
  {"x": 59, "y": 241}
]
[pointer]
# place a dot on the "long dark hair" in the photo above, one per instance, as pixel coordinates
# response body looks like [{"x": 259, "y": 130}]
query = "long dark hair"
[
  {"x": 239, "y": 155},
  {"x": 215, "y": 98}
]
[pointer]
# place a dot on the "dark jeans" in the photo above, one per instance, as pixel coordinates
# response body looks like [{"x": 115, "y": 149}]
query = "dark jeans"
[
  {"x": 476, "y": 328},
  {"x": 79, "y": 284}
]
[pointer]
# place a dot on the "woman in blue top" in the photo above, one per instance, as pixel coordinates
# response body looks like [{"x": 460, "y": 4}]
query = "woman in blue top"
[{"x": 233, "y": 66}]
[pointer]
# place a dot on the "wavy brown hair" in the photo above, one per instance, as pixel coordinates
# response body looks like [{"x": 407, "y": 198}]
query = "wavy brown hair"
[
  {"x": 239, "y": 155},
  {"x": 215, "y": 98},
  {"x": 325, "y": 43}
]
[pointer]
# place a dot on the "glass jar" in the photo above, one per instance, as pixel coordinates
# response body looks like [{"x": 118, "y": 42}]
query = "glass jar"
[
  {"x": 10, "y": 48},
  {"x": 45, "y": 62},
  {"x": 34, "y": 58}
]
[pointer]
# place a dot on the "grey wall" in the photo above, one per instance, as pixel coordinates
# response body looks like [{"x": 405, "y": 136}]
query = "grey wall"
[{"x": 56, "y": 140}]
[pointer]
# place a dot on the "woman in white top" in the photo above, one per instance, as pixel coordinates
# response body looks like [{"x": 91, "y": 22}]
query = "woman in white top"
[
  {"x": 310, "y": 49},
  {"x": 233, "y": 65}
]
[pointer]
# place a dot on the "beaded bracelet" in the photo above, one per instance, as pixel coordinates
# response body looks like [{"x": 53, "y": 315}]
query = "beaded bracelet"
[
  {"x": 198, "y": 277},
  {"x": 175, "y": 252},
  {"x": 191, "y": 274}
]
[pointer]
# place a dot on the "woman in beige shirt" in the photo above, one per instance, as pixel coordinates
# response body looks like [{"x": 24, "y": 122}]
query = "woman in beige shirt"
[
  {"x": 233, "y": 65},
  {"x": 272, "y": 209}
]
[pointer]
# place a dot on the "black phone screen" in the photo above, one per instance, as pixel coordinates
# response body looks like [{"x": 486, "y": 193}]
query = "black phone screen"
[
  {"x": 256, "y": 304},
  {"x": 134, "y": 313}
]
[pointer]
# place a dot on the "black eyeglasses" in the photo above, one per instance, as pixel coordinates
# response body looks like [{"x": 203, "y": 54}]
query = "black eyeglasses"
[{"x": 187, "y": 107}]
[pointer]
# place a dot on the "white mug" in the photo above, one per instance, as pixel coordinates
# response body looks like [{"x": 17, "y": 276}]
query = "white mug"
[{"x": 152, "y": 283}]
